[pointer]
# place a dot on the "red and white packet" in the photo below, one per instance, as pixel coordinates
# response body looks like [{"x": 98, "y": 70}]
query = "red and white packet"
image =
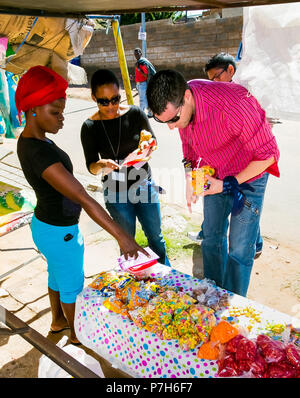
[{"x": 141, "y": 265}]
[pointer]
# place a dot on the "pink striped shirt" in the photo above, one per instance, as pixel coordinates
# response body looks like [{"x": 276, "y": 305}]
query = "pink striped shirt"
[{"x": 228, "y": 131}]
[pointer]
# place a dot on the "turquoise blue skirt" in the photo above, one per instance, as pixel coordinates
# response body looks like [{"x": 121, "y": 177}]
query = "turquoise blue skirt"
[{"x": 63, "y": 248}]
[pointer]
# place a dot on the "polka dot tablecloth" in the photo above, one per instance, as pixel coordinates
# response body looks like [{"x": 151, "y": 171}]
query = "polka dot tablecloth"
[{"x": 140, "y": 353}]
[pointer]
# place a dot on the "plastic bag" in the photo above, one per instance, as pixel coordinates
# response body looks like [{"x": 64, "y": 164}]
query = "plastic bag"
[
  {"x": 12, "y": 83},
  {"x": 223, "y": 332},
  {"x": 260, "y": 358},
  {"x": 272, "y": 350},
  {"x": 3, "y": 47},
  {"x": 49, "y": 369},
  {"x": 293, "y": 354},
  {"x": 238, "y": 355},
  {"x": 4, "y": 104},
  {"x": 142, "y": 266},
  {"x": 80, "y": 33},
  {"x": 208, "y": 294}
]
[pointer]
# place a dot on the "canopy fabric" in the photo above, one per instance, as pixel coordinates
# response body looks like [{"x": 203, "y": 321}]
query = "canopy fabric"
[
  {"x": 105, "y": 7},
  {"x": 48, "y": 41}
]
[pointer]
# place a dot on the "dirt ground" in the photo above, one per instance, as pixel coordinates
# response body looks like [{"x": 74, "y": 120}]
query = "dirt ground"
[{"x": 275, "y": 282}]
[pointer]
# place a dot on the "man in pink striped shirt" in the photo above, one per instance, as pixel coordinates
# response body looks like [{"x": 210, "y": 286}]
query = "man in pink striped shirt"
[
  {"x": 224, "y": 126},
  {"x": 221, "y": 68}
]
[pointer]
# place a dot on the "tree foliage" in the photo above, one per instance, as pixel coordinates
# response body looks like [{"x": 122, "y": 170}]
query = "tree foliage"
[{"x": 128, "y": 19}]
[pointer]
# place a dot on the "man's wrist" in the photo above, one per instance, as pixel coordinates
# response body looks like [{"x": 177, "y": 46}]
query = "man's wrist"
[{"x": 230, "y": 184}]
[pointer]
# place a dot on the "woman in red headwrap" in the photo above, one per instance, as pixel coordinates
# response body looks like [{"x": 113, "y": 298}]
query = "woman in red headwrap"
[{"x": 41, "y": 94}]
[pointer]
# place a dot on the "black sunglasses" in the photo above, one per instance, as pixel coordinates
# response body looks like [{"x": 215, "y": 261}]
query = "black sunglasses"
[
  {"x": 174, "y": 119},
  {"x": 105, "y": 101}
]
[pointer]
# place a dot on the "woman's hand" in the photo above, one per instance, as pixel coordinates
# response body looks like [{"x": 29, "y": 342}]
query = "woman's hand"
[
  {"x": 108, "y": 165},
  {"x": 129, "y": 246},
  {"x": 105, "y": 166}
]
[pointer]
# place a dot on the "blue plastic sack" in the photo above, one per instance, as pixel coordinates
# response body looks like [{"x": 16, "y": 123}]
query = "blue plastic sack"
[
  {"x": 12, "y": 82},
  {"x": 2, "y": 126},
  {"x": 4, "y": 104}
]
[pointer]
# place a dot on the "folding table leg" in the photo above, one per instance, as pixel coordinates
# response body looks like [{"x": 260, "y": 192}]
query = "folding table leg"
[{"x": 46, "y": 346}]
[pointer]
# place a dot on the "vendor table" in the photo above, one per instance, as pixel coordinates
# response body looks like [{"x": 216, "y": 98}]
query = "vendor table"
[{"x": 142, "y": 354}]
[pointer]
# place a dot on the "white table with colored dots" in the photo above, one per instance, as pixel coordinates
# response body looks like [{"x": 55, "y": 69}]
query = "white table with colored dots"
[{"x": 142, "y": 354}]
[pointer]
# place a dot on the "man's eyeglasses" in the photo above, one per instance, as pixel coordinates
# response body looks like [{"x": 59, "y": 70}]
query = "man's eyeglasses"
[
  {"x": 218, "y": 74},
  {"x": 105, "y": 101},
  {"x": 173, "y": 120}
]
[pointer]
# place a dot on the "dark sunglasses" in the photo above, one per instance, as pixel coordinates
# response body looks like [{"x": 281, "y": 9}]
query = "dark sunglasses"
[
  {"x": 174, "y": 119},
  {"x": 105, "y": 101}
]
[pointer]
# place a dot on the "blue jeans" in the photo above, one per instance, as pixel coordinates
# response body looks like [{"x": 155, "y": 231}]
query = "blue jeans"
[
  {"x": 258, "y": 245},
  {"x": 142, "y": 87},
  {"x": 228, "y": 258},
  {"x": 142, "y": 204}
]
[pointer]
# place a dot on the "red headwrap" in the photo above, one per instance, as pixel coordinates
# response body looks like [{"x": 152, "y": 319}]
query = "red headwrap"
[{"x": 39, "y": 86}]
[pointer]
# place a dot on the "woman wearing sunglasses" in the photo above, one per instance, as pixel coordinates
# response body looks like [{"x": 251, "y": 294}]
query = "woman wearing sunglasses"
[{"x": 108, "y": 137}]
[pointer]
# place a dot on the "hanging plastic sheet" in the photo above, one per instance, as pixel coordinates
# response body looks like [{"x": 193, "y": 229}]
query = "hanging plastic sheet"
[
  {"x": 5, "y": 105},
  {"x": 12, "y": 82},
  {"x": 270, "y": 65},
  {"x": 3, "y": 48},
  {"x": 9, "y": 122}
]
